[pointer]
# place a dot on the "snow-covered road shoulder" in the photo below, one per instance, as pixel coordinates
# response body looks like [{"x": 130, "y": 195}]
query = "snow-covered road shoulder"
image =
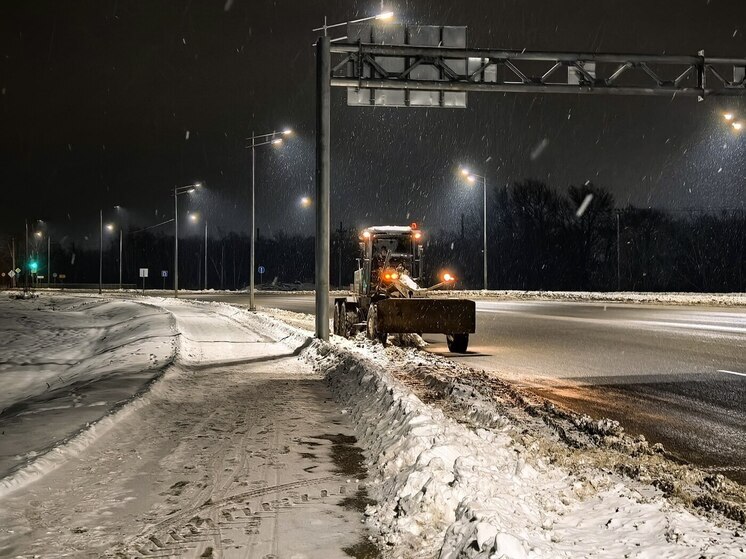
[{"x": 464, "y": 469}]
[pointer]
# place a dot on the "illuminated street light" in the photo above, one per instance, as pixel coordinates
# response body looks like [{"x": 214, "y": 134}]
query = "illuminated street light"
[
  {"x": 194, "y": 218},
  {"x": 305, "y": 201},
  {"x": 110, "y": 227},
  {"x": 738, "y": 125},
  {"x": 383, "y": 16},
  {"x": 265, "y": 139},
  {"x": 179, "y": 190},
  {"x": 728, "y": 116},
  {"x": 472, "y": 178}
]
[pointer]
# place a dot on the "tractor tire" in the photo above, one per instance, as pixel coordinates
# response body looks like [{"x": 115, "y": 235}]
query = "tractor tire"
[
  {"x": 337, "y": 320},
  {"x": 457, "y": 343},
  {"x": 372, "y": 329}
]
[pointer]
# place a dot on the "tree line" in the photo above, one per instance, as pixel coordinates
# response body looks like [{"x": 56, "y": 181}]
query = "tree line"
[{"x": 538, "y": 238}]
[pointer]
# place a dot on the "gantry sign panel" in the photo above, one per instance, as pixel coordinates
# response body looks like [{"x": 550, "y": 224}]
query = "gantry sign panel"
[
  {"x": 441, "y": 69},
  {"x": 430, "y": 66}
]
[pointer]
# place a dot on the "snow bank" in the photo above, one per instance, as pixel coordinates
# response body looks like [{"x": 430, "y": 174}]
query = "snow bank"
[
  {"x": 713, "y": 299},
  {"x": 449, "y": 489},
  {"x": 56, "y": 354}
]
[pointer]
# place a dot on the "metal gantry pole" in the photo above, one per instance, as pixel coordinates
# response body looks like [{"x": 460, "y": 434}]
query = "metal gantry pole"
[
  {"x": 176, "y": 244},
  {"x": 323, "y": 184},
  {"x": 49, "y": 258},
  {"x": 484, "y": 184},
  {"x": 101, "y": 251},
  {"x": 205, "y": 255},
  {"x": 252, "y": 306}
]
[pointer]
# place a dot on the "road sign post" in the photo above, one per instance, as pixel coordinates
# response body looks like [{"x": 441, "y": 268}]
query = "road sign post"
[
  {"x": 164, "y": 275},
  {"x": 143, "y": 275},
  {"x": 261, "y": 270}
]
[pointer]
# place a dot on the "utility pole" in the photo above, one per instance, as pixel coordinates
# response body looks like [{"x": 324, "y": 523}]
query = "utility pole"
[
  {"x": 49, "y": 258},
  {"x": 176, "y": 245},
  {"x": 205, "y": 255}
]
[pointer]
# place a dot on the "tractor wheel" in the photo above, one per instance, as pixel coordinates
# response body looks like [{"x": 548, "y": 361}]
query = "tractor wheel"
[
  {"x": 457, "y": 343},
  {"x": 349, "y": 324},
  {"x": 336, "y": 319},
  {"x": 372, "y": 331}
]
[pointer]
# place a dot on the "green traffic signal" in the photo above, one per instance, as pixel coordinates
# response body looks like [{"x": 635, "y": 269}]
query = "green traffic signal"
[{"x": 33, "y": 266}]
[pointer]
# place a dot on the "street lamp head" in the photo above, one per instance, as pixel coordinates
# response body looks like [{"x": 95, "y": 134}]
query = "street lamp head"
[
  {"x": 287, "y": 131},
  {"x": 385, "y": 15},
  {"x": 277, "y": 141},
  {"x": 465, "y": 171},
  {"x": 38, "y": 234},
  {"x": 728, "y": 116},
  {"x": 738, "y": 125},
  {"x": 110, "y": 227},
  {"x": 471, "y": 178},
  {"x": 305, "y": 201},
  {"x": 192, "y": 189},
  {"x": 193, "y": 217}
]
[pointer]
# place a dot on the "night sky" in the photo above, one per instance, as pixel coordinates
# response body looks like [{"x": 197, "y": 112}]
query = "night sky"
[{"x": 115, "y": 102}]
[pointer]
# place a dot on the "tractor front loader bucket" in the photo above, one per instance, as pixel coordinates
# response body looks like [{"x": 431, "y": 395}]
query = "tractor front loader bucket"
[{"x": 432, "y": 316}]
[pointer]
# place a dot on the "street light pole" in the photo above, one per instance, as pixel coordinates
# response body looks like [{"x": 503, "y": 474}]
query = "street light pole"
[
  {"x": 101, "y": 251},
  {"x": 49, "y": 258},
  {"x": 323, "y": 183},
  {"x": 252, "y": 306},
  {"x": 176, "y": 243},
  {"x": 472, "y": 177},
  {"x": 179, "y": 190},
  {"x": 120, "y": 259},
  {"x": 484, "y": 252},
  {"x": 205, "y": 255},
  {"x": 274, "y": 138}
]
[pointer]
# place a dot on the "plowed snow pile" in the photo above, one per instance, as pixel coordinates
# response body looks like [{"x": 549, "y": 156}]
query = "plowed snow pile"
[{"x": 462, "y": 466}]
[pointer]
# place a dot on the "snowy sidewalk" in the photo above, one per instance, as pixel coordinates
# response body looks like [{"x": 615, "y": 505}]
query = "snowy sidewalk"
[{"x": 238, "y": 451}]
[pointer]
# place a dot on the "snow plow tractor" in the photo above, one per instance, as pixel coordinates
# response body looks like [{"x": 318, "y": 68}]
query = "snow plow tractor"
[{"x": 387, "y": 297}]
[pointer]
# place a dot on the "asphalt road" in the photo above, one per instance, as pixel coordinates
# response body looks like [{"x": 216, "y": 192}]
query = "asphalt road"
[{"x": 675, "y": 374}]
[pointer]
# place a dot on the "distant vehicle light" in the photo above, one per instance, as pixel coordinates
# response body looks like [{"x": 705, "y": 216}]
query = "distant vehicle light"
[
  {"x": 737, "y": 125},
  {"x": 418, "y": 235},
  {"x": 385, "y": 15},
  {"x": 366, "y": 234},
  {"x": 448, "y": 277}
]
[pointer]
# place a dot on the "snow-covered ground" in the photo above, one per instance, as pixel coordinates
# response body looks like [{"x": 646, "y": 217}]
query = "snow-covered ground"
[
  {"x": 239, "y": 450},
  {"x": 66, "y": 361},
  {"x": 464, "y": 465}
]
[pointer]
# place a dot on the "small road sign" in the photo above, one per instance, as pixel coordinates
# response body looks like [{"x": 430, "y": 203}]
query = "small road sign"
[
  {"x": 261, "y": 269},
  {"x": 18, "y": 270},
  {"x": 12, "y": 274},
  {"x": 54, "y": 275},
  {"x": 143, "y": 272},
  {"x": 39, "y": 277},
  {"x": 164, "y": 273},
  {"x": 62, "y": 276}
]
